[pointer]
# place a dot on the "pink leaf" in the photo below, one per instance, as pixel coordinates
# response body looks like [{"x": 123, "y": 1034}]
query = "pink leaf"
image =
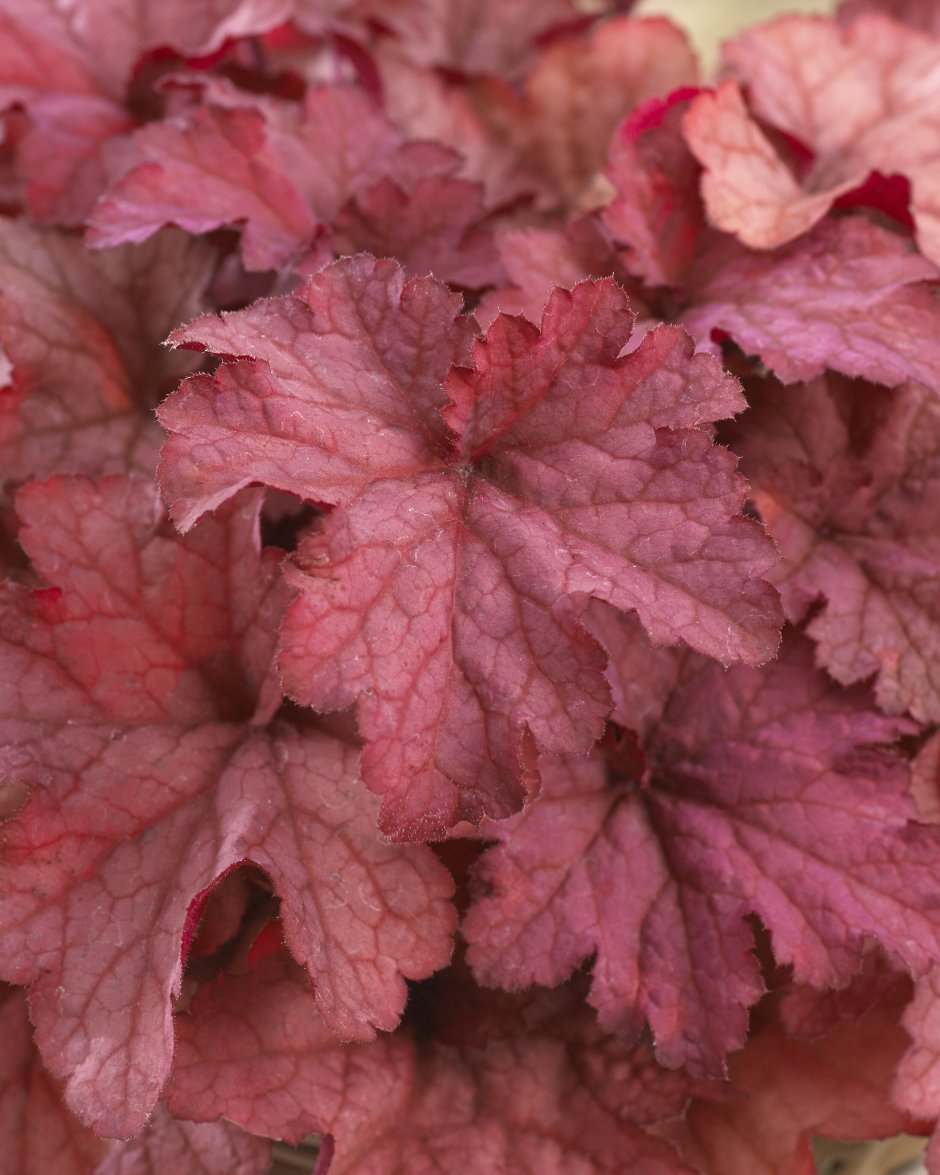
[
  {"x": 917, "y": 1087},
  {"x": 785, "y": 1093},
  {"x": 502, "y": 1085},
  {"x": 925, "y": 784},
  {"x": 80, "y": 335},
  {"x": 438, "y": 596},
  {"x": 472, "y": 36},
  {"x": 653, "y": 864},
  {"x": 468, "y": 118},
  {"x": 807, "y": 1013},
  {"x": 539, "y": 260},
  {"x": 747, "y": 188},
  {"x": 135, "y": 691},
  {"x": 37, "y": 1133},
  {"x": 278, "y": 172},
  {"x": 920, "y": 14},
  {"x": 188, "y": 1148},
  {"x": 846, "y": 477},
  {"x": 583, "y": 86},
  {"x": 861, "y": 98},
  {"x": 850, "y": 296},
  {"x": 209, "y": 169},
  {"x": 255, "y": 1049},
  {"x": 432, "y": 225},
  {"x": 656, "y": 213},
  {"x": 71, "y": 67}
]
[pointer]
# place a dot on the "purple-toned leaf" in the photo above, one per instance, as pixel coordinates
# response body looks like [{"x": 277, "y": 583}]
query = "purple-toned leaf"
[
  {"x": 756, "y": 791},
  {"x": 846, "y": 477},
  {"x": 849, "y": 296}
]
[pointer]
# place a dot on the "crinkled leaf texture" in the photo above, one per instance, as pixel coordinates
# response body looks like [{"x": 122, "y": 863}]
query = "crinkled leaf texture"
[
  {"x": 501, "y": 1084},
  {"x": 478, "y": 505},
  {"x": 861, "y": 98},
  {"x": 135, "y": 690},
  {"x": 188, "y": 1148},
  {"x": 276, "y": 170},
  {"x": 751, "y": 791},
  {"x": 850, "y": 296},
  {"x": 80, "y": 335},
  {"x": 847, "y": 479}
]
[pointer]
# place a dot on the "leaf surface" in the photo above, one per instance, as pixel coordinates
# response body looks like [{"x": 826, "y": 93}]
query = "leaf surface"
[
  {"x": 472, "y": 36},
  {"x": 849, "y": 296},
  {"x": 189, "y": 1148},
  {"x": 861, "y": 97},
  {"x": 583, "y": 86},
  {"x": 750, "y": 791},
  {"x": 785, "y": 1093},
  {"x": 477, "y": 508},
  {"x": 846, "y": 476},
  {"x": 37, "y": 1133},
  {"x": 136, "y": 691},
  {"x": 80, "y": 334},
  {"x": 655, "y": 215},
  {"x": 500, "y": 1085},
  {"x": 70, "y": 66}
]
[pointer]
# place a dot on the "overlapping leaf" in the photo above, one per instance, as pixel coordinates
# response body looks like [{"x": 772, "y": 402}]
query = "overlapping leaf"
[
  {"x": 494, "y": 37},
  {"x": 134, "y": 689},
  {"x": 277, "y": 170},
  {"x": 70, "y": 66},
  {"x": 850, "y": 296},
  {"x": 80, "y": 334},
  {"x": 751, "y": 791},
  {"x": 500, "y": 1084},
  {"x": 442, "y": 595},
  {"x": 847, "y": 477},
  {"x": 784, "y": 1094},
  {"x": 861, "y": 97},
  {"x": 581, "y": 88},
  {"x": 38, "y": 1134}
]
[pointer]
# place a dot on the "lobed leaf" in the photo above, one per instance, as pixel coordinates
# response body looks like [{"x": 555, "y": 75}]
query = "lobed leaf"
[
  {"x": 500, "y": 1085},
  {"x": 756, "y": 791},
  {"x": 135, "y": 691},
  {"x": 845, "y": 476},
  {"x": 442, "y": 595}
]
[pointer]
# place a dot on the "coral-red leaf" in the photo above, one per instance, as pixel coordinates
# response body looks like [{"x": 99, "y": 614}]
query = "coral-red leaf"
[
  {"x": 443, "y": 594},
  {"x": 502, "y": 1085},
  {"x": 134, "y": 696},
  {"x": 784, "y": 1093},
  {"x": 862, "y": 97},
  {"x": 37, "y": 1133},
  {"x": 81, "y": 334}
]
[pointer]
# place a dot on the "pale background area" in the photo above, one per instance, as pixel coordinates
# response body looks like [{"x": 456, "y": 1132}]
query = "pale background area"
[{"x": 710, "y": 21}]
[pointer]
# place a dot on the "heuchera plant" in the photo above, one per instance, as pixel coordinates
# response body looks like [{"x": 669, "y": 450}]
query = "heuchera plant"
[{"x": 470, "y": 630}]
